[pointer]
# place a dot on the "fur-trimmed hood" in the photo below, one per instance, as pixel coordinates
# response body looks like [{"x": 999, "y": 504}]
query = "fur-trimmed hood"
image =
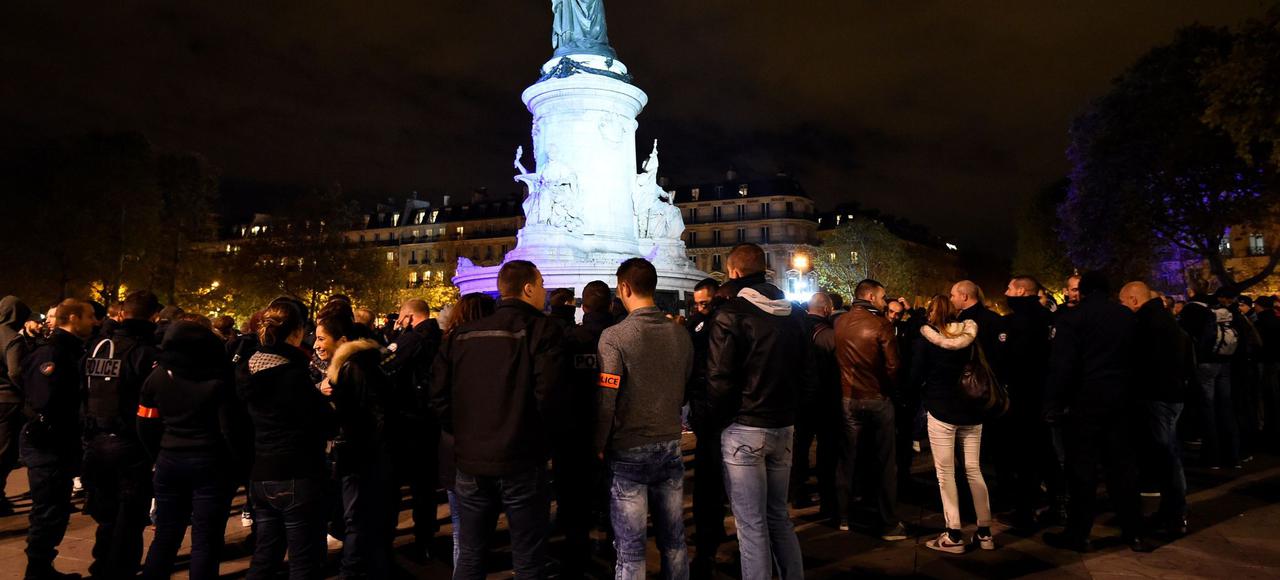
[
  {"x": 345, "y": 352},
  {"x": 962, "y": 334}
]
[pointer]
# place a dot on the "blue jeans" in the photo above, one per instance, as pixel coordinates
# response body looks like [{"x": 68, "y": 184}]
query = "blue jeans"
[
  {"x": 1166, "y": 464},
  {"x": 757, "y": 471},
  {"x": 289, "y": 515},
  {"x": 192, "y": 489},
  {"x": 1221, "y": 434},
  {"x": 524, "y": 498},
  {"x": 643, "y": 480},
  {"x": 455, "y": 518}
]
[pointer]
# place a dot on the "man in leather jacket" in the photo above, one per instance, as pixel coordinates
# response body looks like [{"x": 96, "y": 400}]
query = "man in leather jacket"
[{"x": 867, "y": 351}]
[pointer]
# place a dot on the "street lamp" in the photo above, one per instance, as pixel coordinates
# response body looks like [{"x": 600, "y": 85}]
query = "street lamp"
[
  {"x": 798, "y": 279},
  {"x": 800, "y": 262}
]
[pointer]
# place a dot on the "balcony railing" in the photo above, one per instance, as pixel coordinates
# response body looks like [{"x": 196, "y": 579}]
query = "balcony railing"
[{"x": 730, "y": 217}]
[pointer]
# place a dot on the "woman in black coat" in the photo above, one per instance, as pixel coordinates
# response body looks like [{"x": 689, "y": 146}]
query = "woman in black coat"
[
  {"x": 944, "y": 348},
  {"x": 292, "y": 423},
  {"x": 362, "y": 452}
]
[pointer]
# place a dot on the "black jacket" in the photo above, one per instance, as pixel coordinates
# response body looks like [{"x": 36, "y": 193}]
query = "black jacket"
[
  {"x": 1025, "y": 346},
  {"x": 1091, "y": 363},
  {"x": 581, "y": 344},
  {"x": 361, "y": 400},
  {"x": 188, "y": 403},
  {"x": 14, "y": 346},
  {"x": 1165, "y": 360},
  {"x": 292, "y": 422},
  {"x": 990, "y": 327},
  {"x": 757, "y": 362},
  {"x": 1268, "y": 326},
  {"x": 937, "y": 362},
  {"x": 699, "y": 327},
  {"x": 498, "y": 386},
  {"x": 112, "y": 405},
  {"x": 824, "y": 399},
  {"x": 52, "y": 376},
  {"x": 409, "y": 361},
  {"x": 1197, "y": 320}
]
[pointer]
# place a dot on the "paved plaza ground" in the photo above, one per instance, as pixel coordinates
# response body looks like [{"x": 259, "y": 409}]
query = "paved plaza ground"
[{"x": 1235, "y": 522}]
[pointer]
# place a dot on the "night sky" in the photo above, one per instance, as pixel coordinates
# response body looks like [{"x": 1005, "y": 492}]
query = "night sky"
[{"x": 945, "y": 113}]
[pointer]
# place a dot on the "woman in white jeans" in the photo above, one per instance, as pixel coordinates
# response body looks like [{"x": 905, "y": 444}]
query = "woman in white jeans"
[{"x": 954, "y": 420}]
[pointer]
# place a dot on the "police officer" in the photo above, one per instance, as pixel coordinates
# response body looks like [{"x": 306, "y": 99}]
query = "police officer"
[
  {"x": 578, "y": 474},
  {"x": 117, "y": 469},
  {"x": 708, "y": 463},
  {"x": 416, "y": 433},
  {"x": 50, "y": 442}
]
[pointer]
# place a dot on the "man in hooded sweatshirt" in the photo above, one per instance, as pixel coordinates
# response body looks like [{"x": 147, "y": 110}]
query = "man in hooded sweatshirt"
[
  {"x": 756, "y": 370},
  {"x": 14, "y": 345}
]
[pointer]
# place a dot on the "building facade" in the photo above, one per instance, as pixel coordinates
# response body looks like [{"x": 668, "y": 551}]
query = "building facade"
[{"x": 774, "y": 213}]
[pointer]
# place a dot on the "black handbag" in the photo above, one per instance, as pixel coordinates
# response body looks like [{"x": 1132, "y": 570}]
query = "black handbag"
[{"x": 978, "y": 383}]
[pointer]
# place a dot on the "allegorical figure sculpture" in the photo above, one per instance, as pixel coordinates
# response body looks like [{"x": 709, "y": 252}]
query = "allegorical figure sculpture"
[
  {"x": 657, "y": 217},
  {"x": 554, "y": 199},
  {"x": 578, "y": 27}
]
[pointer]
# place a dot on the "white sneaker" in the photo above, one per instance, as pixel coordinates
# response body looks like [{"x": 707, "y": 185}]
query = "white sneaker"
[
  {"x": 246, "y": 520},
  {"x": 943, "y": 543},
  {"x": 985, "y": 542}
]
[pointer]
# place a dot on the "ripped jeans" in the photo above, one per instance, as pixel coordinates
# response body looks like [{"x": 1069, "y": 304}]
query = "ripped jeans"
[
  {"x": 648, "y": 481},
  {"x": 757, "y": 471}
]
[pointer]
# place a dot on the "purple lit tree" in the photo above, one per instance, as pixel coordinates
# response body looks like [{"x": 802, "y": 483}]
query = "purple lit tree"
[{"x": 1149, "y": 176}]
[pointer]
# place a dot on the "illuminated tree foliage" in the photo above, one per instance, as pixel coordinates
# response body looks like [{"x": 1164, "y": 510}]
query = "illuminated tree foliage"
[{"x": 1148, "y": 174}]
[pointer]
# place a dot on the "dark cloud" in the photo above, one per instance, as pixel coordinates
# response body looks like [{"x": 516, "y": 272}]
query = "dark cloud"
[{"x": 943, "y": 112}]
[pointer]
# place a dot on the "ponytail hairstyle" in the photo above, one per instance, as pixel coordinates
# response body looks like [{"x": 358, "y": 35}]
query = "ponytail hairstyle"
[{"x": 279, "y": 322}]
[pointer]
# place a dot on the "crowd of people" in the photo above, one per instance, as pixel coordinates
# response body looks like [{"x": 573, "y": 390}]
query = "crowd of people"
[{"x": 325, "y": 419}]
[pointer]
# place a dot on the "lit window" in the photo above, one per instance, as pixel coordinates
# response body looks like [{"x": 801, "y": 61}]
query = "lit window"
[
  {"x": 695, "y": 193},
  {"x": 417, "y": 217},
  {"x": 395, "y": 219},
  {"x": 413, "y": 277},
  {"x": 461, "y": 230},
  {"x": 742, "y": 190},
  {"x": 1257, "y": 245},
  {"x": 435, "y": 213},
  {"x": 1224, "y": 245},
  {"x": 391, "y": 256},
  {"x": 415, "y": 233}
]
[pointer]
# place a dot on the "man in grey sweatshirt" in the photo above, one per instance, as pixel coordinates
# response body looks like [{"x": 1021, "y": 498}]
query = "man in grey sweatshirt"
[{"x": 645, "y": 362}]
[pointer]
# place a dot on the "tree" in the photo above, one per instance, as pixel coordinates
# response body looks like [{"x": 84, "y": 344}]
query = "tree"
[
  {"x": 862, "y": 248},
  {"x": 1243, "y": 91},
  {"x": 1147, "y": 173},
  {"x": 1039, "y": 252}
]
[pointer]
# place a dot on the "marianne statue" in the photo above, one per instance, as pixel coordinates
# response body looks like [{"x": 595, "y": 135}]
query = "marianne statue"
[{"x": 578, "y": 27}]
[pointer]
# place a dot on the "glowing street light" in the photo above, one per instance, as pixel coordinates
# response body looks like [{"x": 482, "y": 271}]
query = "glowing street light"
[{"x": 800, "y": 262}]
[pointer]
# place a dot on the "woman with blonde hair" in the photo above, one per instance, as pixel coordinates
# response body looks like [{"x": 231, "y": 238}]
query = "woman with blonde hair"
[{"x": 944, "y": 348}]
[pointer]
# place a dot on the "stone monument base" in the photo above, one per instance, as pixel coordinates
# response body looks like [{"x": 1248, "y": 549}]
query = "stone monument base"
[{"x": 675, "y": 285}]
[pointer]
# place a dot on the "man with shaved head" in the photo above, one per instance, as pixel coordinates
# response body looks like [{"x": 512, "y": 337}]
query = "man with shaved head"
[
  {"x": 818, "y": 416},
  {"x": 1023, "y": 448},
  {"x": 966, "y": 297},
  {"x": 1164, "y": 367}
]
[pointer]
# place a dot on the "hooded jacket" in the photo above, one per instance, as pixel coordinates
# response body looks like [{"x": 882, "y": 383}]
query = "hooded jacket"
[
  {"x": 13, "y": 314},
  {"x": 292, "y": 422},
  {"x": 361, "y": 398},
  {"x": 758, "y": 357},
  {"x": 188, "y": 403},
  {"x": 867, "y": 350}
]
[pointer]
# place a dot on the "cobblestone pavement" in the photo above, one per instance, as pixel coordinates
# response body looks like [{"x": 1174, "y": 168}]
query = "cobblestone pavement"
[{"x": 1235, "y": 521}]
